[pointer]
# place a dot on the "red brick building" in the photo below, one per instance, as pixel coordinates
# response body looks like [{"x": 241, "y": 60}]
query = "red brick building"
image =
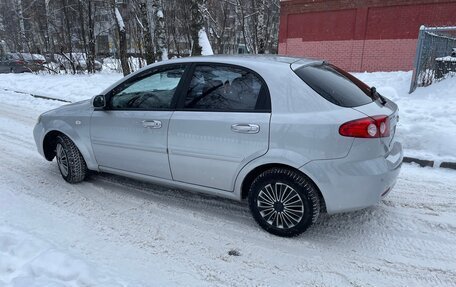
[{"x": 360, "y": 35}]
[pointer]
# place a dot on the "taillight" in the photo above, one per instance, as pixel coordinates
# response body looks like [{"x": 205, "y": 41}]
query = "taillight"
[
  {"x": 369, "y": 127},
  {"x": 19, "y": 62}
]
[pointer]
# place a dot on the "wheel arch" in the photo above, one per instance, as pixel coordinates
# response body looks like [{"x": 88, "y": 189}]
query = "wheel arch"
[
  {"x": 50, "y": 142},
  {"x": 252, "y": 174}
]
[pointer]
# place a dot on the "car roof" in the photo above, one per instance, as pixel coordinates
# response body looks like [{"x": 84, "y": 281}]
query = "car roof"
[
  {"x": 27, "y": 56},
  {"x": 266, "y": 65},
  {"x": 264, "y": 58}
]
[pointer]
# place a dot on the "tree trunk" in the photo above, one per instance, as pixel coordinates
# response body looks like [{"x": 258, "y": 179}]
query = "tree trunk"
[
  {"x": 49, "y": 41},
  {"x": 68, "y": 28},
  {"x": 83, "y": 35},
  {"x": 196, "y": 25},
  {"x": 148, "y": 44},
  {"x": 21, "y": 26},
  {"x": 261, "y": 28},
  {"x": 160, "y": 33},
  {"x": 91, "y": 53},
  {"x": 122, "y": 51}
]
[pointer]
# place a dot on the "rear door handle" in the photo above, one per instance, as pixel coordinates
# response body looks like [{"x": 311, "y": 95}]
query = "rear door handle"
[
  {"x": 152, "y": 124},
  {"x": 245, "y": 128}
]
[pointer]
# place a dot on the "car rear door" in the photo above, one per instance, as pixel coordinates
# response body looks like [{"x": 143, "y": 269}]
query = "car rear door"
[
  {"x": 131, "y": 133},
  {"x": 221, "y": 124}
]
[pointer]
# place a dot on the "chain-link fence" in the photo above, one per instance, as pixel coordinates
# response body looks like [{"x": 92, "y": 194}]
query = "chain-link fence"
[{"x": 435, "y": 56}]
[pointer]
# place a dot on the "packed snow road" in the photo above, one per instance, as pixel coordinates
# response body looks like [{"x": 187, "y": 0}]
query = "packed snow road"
[{"x": 112, "y": 231}]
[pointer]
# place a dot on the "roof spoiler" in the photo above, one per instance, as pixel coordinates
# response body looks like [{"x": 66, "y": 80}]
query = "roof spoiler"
[{"x": 302, "y": 63}]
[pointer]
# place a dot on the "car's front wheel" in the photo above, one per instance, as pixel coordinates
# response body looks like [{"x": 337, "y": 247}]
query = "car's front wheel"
[
  {"x": 284, "y": 202},
  {"x": 71, "y": 164}
]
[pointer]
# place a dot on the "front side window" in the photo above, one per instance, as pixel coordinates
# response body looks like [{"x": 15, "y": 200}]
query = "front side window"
[
  {"x": 224, "y": 88},
  {"x": 152, "y": 92}
]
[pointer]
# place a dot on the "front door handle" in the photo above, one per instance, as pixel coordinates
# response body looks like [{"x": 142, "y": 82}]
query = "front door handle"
[
  {"x": 152, "y": 124},
  {"x": 245, "y": 128}
]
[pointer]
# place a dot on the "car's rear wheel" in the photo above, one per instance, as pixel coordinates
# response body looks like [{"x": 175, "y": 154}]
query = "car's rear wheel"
[
  {"x": 71, "y": 164},
  {"x": 284, "y": 202}
]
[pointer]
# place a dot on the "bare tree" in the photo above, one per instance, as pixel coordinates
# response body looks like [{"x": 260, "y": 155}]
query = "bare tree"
[
  {"x": 198, "y": 6},
  {"x": 91, "y": 51},
  {"x": 261, "y": 30},
  {"x": 21, "y": 24},
  {"x": 122, "y": 33},
  {"x": 145, "y": 31},
  {"x": 160, "y": 32},
  {"x": 145, "y": 25}
]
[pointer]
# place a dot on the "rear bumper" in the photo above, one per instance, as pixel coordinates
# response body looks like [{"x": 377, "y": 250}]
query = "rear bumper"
[{"x": 351, "y": 183}]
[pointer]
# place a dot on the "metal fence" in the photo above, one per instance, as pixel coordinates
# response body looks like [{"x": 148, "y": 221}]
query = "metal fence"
[{"x": 435, "y": 56}]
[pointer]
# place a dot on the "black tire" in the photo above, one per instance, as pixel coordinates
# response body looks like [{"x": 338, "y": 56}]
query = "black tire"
[
  {"x": 293, "y": 190},
  {"x": 76, "y": 167}
]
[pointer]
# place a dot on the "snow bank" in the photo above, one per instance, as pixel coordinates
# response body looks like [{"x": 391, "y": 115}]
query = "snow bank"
[
  {"x": 112, "y": 64},
  {"x": 427, "y": 125},
  {"x": 446, "y": 59},
  {"x": 67, "y": 87},
  {"x": 27, "y": 261}
]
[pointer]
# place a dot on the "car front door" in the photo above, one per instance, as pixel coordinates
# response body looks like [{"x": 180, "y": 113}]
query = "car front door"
[
  {"x": 222, "y": 123},
  {"x": 130, "y": 134}
]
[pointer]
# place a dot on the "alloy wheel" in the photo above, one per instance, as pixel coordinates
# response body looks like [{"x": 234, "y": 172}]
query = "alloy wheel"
[
  {"x": 280, "y": 205},
  {"x": 62, "y": 159}
]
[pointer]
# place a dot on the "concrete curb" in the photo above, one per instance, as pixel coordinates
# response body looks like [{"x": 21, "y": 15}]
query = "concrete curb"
[
  {"x": 430, "y": 163},
  {"x": 37, "y": 96}
]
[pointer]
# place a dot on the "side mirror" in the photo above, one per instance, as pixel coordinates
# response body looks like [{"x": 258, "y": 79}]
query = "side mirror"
[{"x": 99, "y": 102}]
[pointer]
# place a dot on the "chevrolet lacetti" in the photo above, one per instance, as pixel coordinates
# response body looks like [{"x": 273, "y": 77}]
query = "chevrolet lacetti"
[{"x": 293, "y": 136}]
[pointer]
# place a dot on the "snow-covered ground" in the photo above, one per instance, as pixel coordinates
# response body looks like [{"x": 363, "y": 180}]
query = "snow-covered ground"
[
  {"x": 112, "y": 231},
  {"x": 67, "y": 87}
]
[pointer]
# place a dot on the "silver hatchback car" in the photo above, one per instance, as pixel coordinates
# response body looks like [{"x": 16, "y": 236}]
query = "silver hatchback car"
[{"x": 293, "y": 136}]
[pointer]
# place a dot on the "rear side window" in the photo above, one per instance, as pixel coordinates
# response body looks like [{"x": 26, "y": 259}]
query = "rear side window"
[
  {"x": 225, "y": 88},
  {"x": 336, "y": 85}
]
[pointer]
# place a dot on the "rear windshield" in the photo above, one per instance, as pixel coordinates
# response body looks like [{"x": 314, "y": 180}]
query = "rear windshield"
[{"x": 336, "y": 85}]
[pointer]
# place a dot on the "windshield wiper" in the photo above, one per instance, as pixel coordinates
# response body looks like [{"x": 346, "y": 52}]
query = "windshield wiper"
[{"x": 375, "y": 95}]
